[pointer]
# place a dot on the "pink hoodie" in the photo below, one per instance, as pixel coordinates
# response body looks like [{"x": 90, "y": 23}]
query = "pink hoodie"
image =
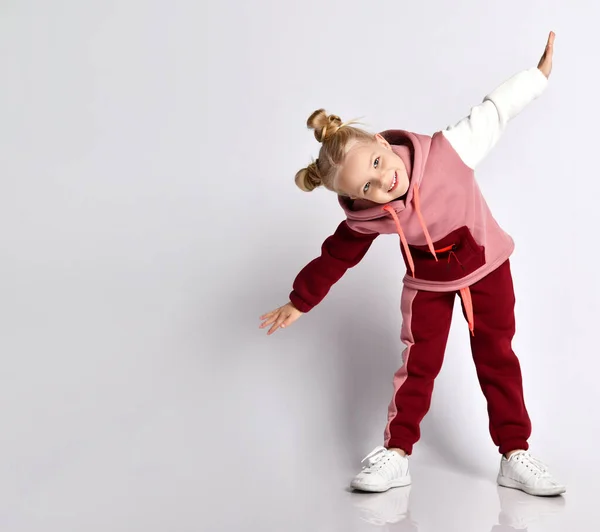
[
  {"x": 449, "y": 238},
  {"x": 443, "y": 215}
]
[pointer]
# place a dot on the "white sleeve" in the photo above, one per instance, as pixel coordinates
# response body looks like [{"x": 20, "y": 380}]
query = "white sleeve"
[{"x": 475, "y": 135}]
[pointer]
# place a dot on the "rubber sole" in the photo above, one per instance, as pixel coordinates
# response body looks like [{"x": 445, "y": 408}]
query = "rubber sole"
[
  {"x": 399, "y": 483},
  {"x": 506, "y": 482}
]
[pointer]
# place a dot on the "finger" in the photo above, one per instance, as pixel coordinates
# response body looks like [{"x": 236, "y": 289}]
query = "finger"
[
  {"x": 268, "y": 322},
  {"x": 549, "y": 46},
  {"x": 269, "y": 314},
  {"x": 288, "y": 321},
  {"x": 273, "y": 329},
  {"x": 276, "y": 325}
]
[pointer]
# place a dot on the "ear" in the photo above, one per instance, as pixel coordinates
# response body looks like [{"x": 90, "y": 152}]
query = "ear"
[{"x": 380, "y": 140}]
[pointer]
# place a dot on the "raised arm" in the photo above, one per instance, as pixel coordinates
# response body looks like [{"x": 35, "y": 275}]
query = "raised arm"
[{"x": 475, "y": 135}]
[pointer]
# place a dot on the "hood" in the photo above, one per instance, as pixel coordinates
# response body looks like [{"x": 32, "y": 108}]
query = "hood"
[{"x": 419, "y": 145}]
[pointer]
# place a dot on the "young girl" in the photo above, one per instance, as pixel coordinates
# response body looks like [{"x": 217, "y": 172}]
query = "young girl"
[{"x": 423, "y": 189}]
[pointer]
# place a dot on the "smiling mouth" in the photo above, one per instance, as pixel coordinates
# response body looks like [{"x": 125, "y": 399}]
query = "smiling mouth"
[{"x": 394, "y": 183}]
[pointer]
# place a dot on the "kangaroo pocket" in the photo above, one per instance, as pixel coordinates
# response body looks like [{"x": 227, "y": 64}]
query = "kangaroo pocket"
[{"x": 458, "y": 256}]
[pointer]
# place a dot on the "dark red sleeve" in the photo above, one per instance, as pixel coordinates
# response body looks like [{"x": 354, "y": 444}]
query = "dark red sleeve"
[{"x": 342, "y": 250}]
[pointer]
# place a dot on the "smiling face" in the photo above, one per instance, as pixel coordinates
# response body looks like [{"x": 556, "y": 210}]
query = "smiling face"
[{"x": 372, "y": 171}]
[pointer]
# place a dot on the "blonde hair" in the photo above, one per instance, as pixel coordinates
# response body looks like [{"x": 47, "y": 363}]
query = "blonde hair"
[{"x": 334, "y": 135}]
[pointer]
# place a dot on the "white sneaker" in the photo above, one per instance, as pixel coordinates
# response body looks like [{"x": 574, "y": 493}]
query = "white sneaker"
[
  {"x": 526, "y": 473},
  {"x": 384, "y": 470}
]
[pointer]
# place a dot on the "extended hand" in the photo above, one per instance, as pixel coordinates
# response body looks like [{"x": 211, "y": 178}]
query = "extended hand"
[
  {"x": 545, "y": 64},
  {"x": 281, "y": 317}
]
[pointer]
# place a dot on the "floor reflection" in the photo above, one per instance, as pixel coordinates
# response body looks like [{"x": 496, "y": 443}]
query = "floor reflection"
[
  {"x": 518, "y": 510},
  {"x": 391, "y": 510}
]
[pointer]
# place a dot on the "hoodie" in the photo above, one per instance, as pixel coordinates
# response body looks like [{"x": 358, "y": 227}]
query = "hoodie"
[{"x": 448, "y": 237}]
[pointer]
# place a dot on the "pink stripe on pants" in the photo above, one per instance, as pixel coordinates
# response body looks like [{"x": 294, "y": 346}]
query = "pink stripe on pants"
[
  {"x": 426, "y": 323},
  {"x": 408, "y": 296}
]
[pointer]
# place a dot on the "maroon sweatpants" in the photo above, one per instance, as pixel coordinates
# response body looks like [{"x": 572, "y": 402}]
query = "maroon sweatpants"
[{"x": 426, "y": 324}]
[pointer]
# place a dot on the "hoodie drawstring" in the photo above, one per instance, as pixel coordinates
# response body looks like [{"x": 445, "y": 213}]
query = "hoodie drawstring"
[
  {"x": 465, "y": 293},
  {"x": 417, "y": 201},
  {"x": 409, "y": 257}
]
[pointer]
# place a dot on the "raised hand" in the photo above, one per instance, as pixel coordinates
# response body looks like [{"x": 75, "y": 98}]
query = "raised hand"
[
  {"x": 545, "y": 64},
  {"x": 280, "y": 317}
]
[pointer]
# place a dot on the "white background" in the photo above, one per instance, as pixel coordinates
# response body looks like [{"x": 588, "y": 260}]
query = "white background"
[{"x": 148, "y": 216}]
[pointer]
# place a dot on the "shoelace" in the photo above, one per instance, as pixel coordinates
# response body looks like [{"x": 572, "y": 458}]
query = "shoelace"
[
  {"x": 538, "y": 467},
  {"x": 538, "y": 463},
  {"x": 376, "y": 459}
]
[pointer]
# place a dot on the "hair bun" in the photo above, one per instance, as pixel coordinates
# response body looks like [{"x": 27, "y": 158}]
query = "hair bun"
[
  {"x": 309, "y": 178},
  {"x": 324, "y": 125}
]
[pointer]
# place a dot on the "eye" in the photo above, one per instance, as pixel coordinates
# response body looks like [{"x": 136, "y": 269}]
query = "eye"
[
  {"x": 366, "y": 188},
  {"x": 376, "y": 162}
]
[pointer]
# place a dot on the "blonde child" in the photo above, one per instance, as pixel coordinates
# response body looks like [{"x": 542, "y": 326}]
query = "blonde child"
[{"x": 423, "y": 189}]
